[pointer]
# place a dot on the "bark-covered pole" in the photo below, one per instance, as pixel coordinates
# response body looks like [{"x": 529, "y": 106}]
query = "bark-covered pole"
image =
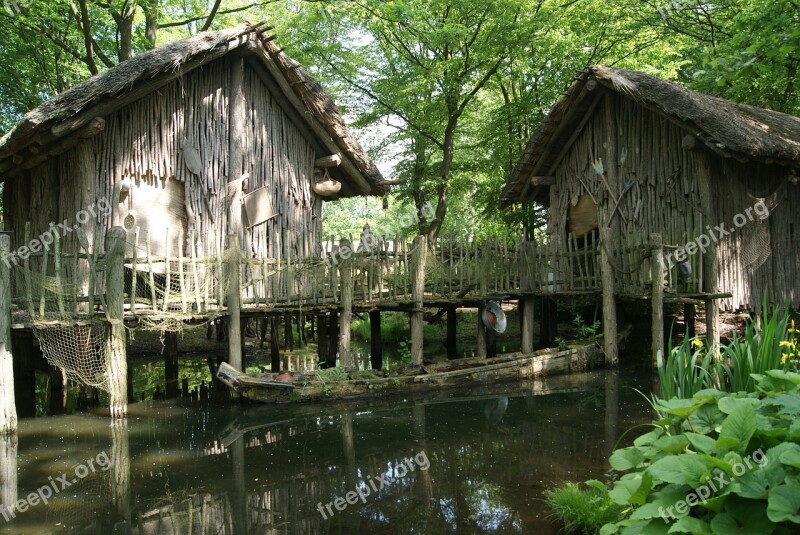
[
  {"x": 8, "y": 406},
  {"x": 115, "y": 302}
]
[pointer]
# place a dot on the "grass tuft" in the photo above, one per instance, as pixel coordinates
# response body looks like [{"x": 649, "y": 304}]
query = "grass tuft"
[{"x": 583, "y": 511}]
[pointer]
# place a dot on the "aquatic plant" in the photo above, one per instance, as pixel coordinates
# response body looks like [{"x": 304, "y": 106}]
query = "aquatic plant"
[
  {"x": 720, "y": 463},
  {"x": 583, "y": 510}
]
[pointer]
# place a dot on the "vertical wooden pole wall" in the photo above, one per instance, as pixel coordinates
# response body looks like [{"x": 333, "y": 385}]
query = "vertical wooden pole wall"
[
  {"x": 346, "y": 308},
  {"x": 8, "y": 408},
  {"x": 659, "y": 271},
  {"x": 416, "y": 319},
  {"x": 115, "y": 302}
]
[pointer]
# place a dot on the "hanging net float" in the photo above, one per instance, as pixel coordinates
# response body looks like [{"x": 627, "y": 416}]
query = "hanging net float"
[{"x": 493, "y": 317}]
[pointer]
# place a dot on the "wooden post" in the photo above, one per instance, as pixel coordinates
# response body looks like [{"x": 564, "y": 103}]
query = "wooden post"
[
  {"x": 346, "y": 309},
  {"x": 234, "y": 304},
  {"x": 274, "y": 345},
  {"x": 452, "y": 332},
  {"x": 528, "y": 301},
  {"x": 58, "y": 391},
  {"x": 491, "y": 343},
  {"x": 704, "y": 177},
  {"x": 171, "y": 371},
  {"x": 333, "y": 338},
  {"x": 322, "y": 339},
  {"x": 376, "y": 344},
  {"x": 658, "y": 295},
  {"x": 689, "y": 318},
  {"x": 115, "y": 302},
  {"x": 609, "y": 231},
  {"x": 24, "y": 373},
  {"x": 549, "y": 324},
  {"x": 8, "y": 407},
  {"x": 8, "y": 474},
  {"x": 418, "y": 259},
  {"x": 480, "y": 349}
]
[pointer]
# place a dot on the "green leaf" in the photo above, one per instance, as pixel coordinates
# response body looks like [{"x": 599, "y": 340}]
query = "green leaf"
[
  {"x": 791, "y": 457},
  {"x": 702, "y": 443},
  {"x": 742, "y": 517},
  {"x": 648, "y": 438},
  {"x": 626, "y": 458},
  {"x": 631, "y": 489},
  {"x": 706, "y": 419},
  {"x": 737, "y": 429},
  {"x": 729, "y": 404},
  {"x": 672, "y": 444},
  {"x": 681, "y": 407},
  {"x": 685, "y": 469},
  {"x": 787, "y": 403},
  {"x": 784, "y": 503},
  {"x": 689, "y": 524},
  {"x": 758, "y": 482}
]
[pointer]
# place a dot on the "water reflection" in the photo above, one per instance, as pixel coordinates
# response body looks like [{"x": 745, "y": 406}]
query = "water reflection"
[{"x": 263, "y": 469}]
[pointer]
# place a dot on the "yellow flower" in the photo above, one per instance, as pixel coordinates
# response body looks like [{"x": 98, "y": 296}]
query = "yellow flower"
[
  {"x": 697, "y": 343},
  {"x": 792, "y": 329},
  {"x": 788, "y": 343},
  {"x": 783, "y": 358}
]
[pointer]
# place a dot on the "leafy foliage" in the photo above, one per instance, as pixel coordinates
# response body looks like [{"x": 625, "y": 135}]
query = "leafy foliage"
[
  {"x": 583, "y": 510},
  {"x": 717, "y": 462}
]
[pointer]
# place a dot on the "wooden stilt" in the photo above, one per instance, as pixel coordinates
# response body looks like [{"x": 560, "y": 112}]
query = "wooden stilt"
[
  {"x": 346, "y": 308},
  {"x": 452, "y": 333},
  {"x": 333, "y": 338},
  {"x": 58, "y": 391},
  {"x": 689, "y": 318},
  {"x": 8, "y": 475},
  {"x": 417, "y": 319},
  {"x": 274, "y": 345},
  {"x": 480, "y": 348},
  {"x": 8, "y": 408},
  {"x": 288, "y": 335},
  {"x": 375, "y": 342},
  {"x": 115, "y": 302},
  {"x": 609, "y": 234},
  {"x": 234, "y": 305},
  {"x": 24, "y": 373},
  {"x": 659, "y": 271},
  {"x": 527, "y": 302},
  {"x": 322, "y": 339},
  {"x": 712, "y": 326},
  {"x": 491, "y": 343},
  {"x": 171, "y": 371},
  {"x": 549, "y": 326}
]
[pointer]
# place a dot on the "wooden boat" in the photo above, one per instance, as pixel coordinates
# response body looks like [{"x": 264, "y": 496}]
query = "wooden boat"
[{"x": 351, "y": 384}]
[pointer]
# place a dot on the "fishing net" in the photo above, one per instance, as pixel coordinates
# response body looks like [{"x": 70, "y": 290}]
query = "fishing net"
[
  {"x": 756, "y": 246},
  {"x": 81, "y": 350}
]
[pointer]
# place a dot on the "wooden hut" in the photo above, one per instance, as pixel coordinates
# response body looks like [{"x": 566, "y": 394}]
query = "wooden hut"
[
  {"x": 174, "y": 138},
  {"x": 624, "y": 160}
]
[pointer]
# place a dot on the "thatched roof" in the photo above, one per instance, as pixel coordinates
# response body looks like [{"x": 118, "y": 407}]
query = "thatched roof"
[
  {"x": 729, "y": 129},
  {"x": 41, "y": 130}
]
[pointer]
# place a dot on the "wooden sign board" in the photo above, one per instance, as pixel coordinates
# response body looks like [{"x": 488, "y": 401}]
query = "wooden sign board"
[{"x": 258, "y": 207}]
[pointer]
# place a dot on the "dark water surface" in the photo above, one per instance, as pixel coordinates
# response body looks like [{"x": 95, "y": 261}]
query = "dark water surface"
[{"x": 480, "y": 459}]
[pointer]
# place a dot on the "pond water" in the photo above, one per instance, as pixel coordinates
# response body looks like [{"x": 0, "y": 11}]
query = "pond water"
[{"x": 450, "y": 462}]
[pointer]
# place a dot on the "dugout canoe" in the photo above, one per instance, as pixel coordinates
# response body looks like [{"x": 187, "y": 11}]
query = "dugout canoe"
[{"x": 353, "y": 384}]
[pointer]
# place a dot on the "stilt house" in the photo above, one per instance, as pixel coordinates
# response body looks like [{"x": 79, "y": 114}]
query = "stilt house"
[
  {"x": 197, "y": 138},
  {"x": 624, "y": 159}
]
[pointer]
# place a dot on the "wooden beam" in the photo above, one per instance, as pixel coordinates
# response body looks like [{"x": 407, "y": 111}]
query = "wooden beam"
[
  {"x": 346, "y": 310},
  {"x": 659, "y": 272},
  {"x": 543, "y": 180},
  {"x": 419, "y": 257},
  {"x": 334, "y": 160}
]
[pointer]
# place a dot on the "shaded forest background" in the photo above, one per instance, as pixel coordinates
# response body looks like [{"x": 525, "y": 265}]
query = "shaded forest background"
[{"x": 443, "y": 93}]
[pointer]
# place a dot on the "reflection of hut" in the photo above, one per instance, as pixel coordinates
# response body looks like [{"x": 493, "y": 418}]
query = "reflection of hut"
[
  {"x": 165, "y": 137},
  {"x": 675, "y": 163}
]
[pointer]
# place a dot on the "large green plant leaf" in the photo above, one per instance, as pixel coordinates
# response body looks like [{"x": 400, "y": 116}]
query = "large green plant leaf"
[
  {"x": 631, "y": 489},
  {"x": 702, "y": 443},
  {"x": 689, "y": 524},
  {"x": 742, "y": 517},
  {"x": 706, "y": 419},
  {"x": 626, "y": 458},
  {"x": 685, "y": 469},
  {"x": 784, "y": 503},
  {"x": 737, "y": 429}
]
